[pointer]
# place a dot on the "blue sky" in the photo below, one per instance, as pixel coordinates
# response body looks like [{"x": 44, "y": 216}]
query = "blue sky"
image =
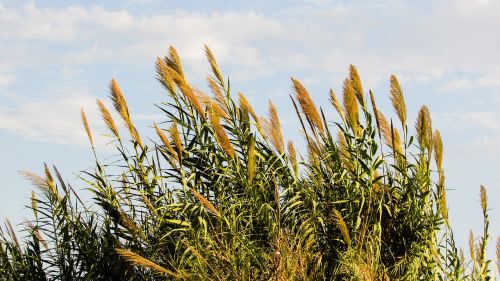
[{"x": 59, "y": 56}]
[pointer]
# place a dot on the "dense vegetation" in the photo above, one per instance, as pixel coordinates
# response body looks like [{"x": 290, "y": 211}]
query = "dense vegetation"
[{"x": 220, "y": 196}]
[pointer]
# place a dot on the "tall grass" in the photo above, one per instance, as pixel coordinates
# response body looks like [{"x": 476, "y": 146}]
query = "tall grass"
[{"x": 221, "y": 195}]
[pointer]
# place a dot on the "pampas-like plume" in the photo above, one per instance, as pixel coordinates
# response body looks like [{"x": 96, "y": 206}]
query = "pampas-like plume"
[
  {"x": 484, "y": 198},
  {"x": 397, "y": 98},
  {"x": 438, "y": 150},
  {"x": 213, "y": 64},
  {"x": 205, "y": 202},
  {"x": 245, "y": 105},
  {"x": 34, "y": 204},
  {"x": 174, "y": 135},
  {"x": 218, "y": 95},
  {"x": 166, "y": 142},
  {"x": 49, "y": 180},
  {"x": 351, "y": 106},
  {"x": 187, "y": 91},
  {"x": 35, "y": 179},
  {"x": 220, "y": 134},
  {"x": 37, "y": 234},
  {"x": 174, "y": 62},
  {"x": 120, "y": 105},
  {"x": 210, "y": 103},
  {"x": 87, "y": 128},
  {"x": 127, "y": 222},
  {"x": 106, "y": 116},
  {"x": 308, "y": 107},
  {"x": 424, "y": 128},
  {"x": 472, "y": 246},
  {"x": 390, "y": 134},
  {"x": 274, "y": 129},
  {"x": 164, "y": 77},
  {"x": 336, "y": 103},
  {"x": 292, "y": 155},
  {"x": 356, "y": 84},
  {"x": 138, "y": 260},
  {"x": 375, "y": 110},
  {"x": 339, "y": 221}
]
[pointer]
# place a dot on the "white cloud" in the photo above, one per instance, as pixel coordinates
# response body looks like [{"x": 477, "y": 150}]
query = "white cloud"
[{"x": 55, "y": 121}]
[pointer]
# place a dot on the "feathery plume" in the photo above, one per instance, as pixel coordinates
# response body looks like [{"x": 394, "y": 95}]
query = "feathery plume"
[
  {"x": 484, "y": 198},
  {"x": 292, "y": 155},
  {"x": 164, "y": 77},
  {"x": 138, "y": 260},
  {"x": 356, "y": 84},
  {"x": 35, "y": 179},
  {"x": 336, "y": 103},
  {"x": 275, "y": 130},
  {"x": 308, "y": 107},
  {"x": 205, "y": 202},
  {"x": 375, "y": 110},
  {"x": 339, "y": 221},
  {"x": 12, "y": 233},
  {"x": 174, "y": 135},
  {"x": 49, "y": 180},
  {"x": 218, "y": 95},
  {"x": 166, "y": 142},
  {"x": 213, "y": 64},
  {"x": 34, "y": 204},
  {"x": 424, "y": 128},
  {"x": 37, "y": 234},
  {"x": 187, "y": 92},
  {"x": 438, "y": 150},
  {"x": 127, "y": 222},
  {"x": 106, "y": 116},
  {"x": 351, "y": 106},
  {"x": 472, "y": 246},
  {"x": 390, "y": 134},
  {"x": 120, "y": 105},
  {"x": 87, "y": 128},
  {"x": 174, "y": 62},
  {"x": 220, "y": 134},
  {"x": 397, "y": 99}
]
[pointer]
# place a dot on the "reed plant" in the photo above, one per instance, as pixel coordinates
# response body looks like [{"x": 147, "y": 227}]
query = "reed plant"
[{"x": 219, "y": 194}]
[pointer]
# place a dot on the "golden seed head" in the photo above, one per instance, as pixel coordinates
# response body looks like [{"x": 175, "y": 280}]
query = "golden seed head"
[
  {"x": 390, "y": 134},
  {"x": 351, "y": 106},
  {"x": 397, "y": 98},
  {"x": 174, "y": 135},
  {"x": 213, "y": 64},
  {"x": 220, "y": 134},
  {"x": 207, "y": 204},
  {"x": 106, "y": 116},
  {"x": 438, "y": 150},
  {"x": 217, "y": 92},
  {"x": 484, "y": 198},
  {"x": 308, "y": 107},
  {"x": 274, "y": 129},
  {"x": 336, "y": 104},
  {"x": 164, "y": 77},
  {"x": 166, "y": 142},
  {"x": 251, "y": 166},
  {"x": 424, "y": 128},
  {"x": 174, "y": 62},
  {"x": 87, "y": 128},
  {"x": 138, "y": 260},
  {"x": 292, "y": 155},
  {"x": 339, "y": 220},
  {"x": 356, "y": 84}
]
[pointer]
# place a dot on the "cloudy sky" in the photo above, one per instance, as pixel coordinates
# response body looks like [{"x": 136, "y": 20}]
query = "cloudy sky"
[{"x": 59, "y": 56}]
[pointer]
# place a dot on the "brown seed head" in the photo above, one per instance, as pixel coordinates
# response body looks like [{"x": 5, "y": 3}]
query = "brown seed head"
[
  {"x": 336, "y": 103},
  {"x": 438, "y": 150},
  {"x": 390, "y": 134},
  {"x": 424, "y": 128},
  {"x": 164, "y": 77},
  {"x": 484, "y": 198}
]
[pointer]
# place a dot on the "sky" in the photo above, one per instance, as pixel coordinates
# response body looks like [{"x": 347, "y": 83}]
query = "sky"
[{"x": 57, "y": 57}]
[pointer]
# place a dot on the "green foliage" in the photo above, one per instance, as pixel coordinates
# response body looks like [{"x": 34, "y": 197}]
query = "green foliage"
[{"x": 217, "y": 197}]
